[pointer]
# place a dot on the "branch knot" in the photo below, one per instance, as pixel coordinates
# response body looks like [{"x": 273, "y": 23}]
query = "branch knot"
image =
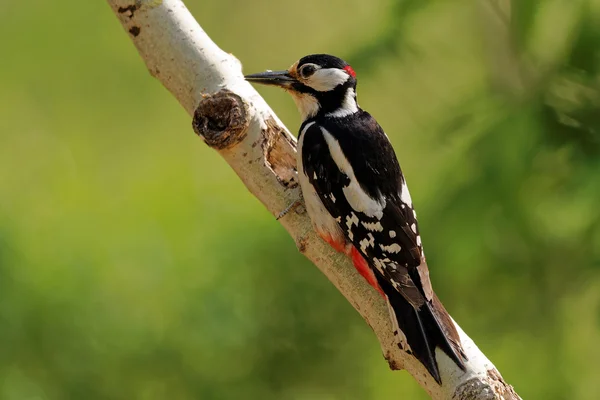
[{"x": 221, "y": 119}]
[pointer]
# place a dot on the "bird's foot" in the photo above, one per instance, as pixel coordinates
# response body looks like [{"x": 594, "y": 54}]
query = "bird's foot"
[{"x": 291, "y": 207}]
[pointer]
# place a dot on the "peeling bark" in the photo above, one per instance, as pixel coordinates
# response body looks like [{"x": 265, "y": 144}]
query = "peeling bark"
[
  {"x": 277, "y": 157},
  {"x": 234, "y": 120}
]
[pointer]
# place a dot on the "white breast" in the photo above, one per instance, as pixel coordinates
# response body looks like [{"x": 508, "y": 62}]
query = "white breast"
[{"x": 322, "y": 221}]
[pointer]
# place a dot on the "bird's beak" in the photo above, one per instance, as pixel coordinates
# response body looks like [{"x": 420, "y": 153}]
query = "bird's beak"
[{"x": 276, "y": 78}]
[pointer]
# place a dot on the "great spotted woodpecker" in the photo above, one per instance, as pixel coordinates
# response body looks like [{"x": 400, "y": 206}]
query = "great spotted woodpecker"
[{"x": 358, "y": 201}]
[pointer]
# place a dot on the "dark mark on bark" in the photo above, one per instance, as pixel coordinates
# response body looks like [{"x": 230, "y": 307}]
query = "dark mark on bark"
[
  {"x": 406, "y": 350},
  {"x": 278, "y": 157},
  {"x": 391, "y": 362},
  {"x": 134, "y": 30},
  {"x": 302, "y": 244},
  {"x": 221, "y": 119},
  {"x": 129, "y": 9}
]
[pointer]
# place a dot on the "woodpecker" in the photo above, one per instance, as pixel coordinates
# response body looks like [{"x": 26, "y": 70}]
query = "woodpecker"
[{"x": 358, "y": 201}]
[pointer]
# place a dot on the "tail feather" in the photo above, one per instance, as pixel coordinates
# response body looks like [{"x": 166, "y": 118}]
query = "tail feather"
[{"x": 421, "y": 331}]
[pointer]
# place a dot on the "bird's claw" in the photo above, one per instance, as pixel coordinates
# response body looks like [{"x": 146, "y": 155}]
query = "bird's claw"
[{"x": 291, "y": 207}]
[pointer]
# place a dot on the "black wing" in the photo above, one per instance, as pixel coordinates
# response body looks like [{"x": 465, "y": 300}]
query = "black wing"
[{"x": 389, "y": 239}]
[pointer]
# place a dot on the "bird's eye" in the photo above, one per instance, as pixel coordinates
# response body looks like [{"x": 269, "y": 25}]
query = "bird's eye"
[{"x": 307, "y": 70}]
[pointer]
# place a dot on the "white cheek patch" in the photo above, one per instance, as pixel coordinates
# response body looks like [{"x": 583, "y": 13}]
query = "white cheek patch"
[{"x": 325, "y": 79}]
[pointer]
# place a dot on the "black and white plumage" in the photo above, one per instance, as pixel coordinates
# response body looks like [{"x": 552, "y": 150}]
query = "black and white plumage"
[{"x": 357, "y": 198}]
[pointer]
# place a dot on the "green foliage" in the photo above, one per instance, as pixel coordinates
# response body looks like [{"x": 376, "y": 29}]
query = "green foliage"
[{"x": 134, "y": 264}]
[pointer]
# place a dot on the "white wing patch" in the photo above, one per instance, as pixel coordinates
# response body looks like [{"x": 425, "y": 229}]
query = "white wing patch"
[
  {"x": 349, "y": 222},
  {"x": 405, "y": 194},
  {"x": 355, "y": 195},
  {"x": 392, "y": 248},
  {"x": 367, "y": 242},
  {"x": 373, "y": 226},
  {"x": 379, "y": 264},
  {"x": 392, "y": 234},
  {"x": 414, "y": 227}
]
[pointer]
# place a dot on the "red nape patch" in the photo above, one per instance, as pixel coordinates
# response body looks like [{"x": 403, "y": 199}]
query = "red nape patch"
[
  {"x": 363, "y": 268},
  {"x": 350, "y": 71}
]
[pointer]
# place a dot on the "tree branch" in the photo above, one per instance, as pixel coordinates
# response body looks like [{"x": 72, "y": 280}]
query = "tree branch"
[{"x": 233, "y": 119}]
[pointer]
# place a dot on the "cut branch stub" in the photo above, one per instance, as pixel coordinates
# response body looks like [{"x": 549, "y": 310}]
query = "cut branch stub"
[{"x": 221, "y": 119}]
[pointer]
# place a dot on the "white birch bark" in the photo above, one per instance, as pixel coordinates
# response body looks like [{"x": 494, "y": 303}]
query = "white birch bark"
[{"x": 233, "y": 119}]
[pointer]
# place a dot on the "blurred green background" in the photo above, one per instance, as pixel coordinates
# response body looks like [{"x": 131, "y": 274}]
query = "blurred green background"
[{"x": 135, "y": 265}]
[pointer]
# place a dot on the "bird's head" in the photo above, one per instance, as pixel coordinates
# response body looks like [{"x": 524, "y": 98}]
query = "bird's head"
[{"x": 320, "y": 84}]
